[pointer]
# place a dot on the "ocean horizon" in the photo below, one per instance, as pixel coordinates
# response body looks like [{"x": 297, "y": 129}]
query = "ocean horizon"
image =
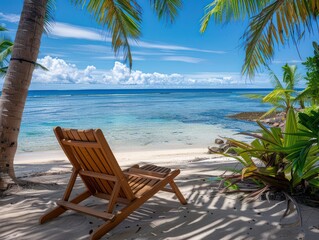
[{"x": 138, "y": 119}]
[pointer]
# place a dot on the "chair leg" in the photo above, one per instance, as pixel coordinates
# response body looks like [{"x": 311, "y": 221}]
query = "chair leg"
[
  {"x": 126, "y": 211},
  {"x": 177, "y": 192},
  {"x": 57, "y": 211}
]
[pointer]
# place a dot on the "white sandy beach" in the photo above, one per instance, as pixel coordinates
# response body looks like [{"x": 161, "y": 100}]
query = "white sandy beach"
[{"x": 208, "y": 214}]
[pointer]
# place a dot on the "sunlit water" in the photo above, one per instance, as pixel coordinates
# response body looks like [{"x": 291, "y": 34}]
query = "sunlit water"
[{"x": 137, "y": 119}]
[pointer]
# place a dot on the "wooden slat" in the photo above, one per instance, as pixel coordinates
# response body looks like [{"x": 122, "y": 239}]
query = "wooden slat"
[
  {"x": 76, "y": 143},
  {"x": 143, "y": 186},
  {"x": 107, "y": 152},
  {"x": 140, "y": 175},
  {"x": 146, "y": 172},
  {"x": 81, "y": 158},
  {"x": 90, "y": 164},
  {"x": 87, "y": 210},
  {"x": 177, "y": 192},
  {"x": 98, "y": 175},
  {"x": 104, "y": 228},
  {"x": 96, "y": 164}
]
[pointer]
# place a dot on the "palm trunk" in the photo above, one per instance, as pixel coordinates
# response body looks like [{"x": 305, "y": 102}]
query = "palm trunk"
[{"x": 17, "y": 81}]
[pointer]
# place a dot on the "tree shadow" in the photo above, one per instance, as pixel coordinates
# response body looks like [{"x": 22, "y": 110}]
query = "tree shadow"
[{"x": 208, "y": 214}]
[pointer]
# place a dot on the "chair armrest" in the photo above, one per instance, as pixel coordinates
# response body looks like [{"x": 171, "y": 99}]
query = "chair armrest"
[{"x": 134, "y": 166}]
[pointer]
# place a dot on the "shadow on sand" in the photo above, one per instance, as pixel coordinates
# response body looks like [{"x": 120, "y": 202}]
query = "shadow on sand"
[{"x": 208, "y": 214}]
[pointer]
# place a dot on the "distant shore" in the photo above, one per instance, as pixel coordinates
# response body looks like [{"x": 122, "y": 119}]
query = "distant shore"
[
  {"x": 250, "y": 116},
  {"x": 276, "y": 119}
]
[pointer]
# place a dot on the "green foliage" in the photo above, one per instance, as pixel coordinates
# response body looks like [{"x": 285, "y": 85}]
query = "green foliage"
[
  {"x": 270, "y": 23},
  {"x": 284, "y": 96},
  {"x": 312, "y": 65},
  {"x": 6, "y": 47},
  {"x": 123, "y": 19},
  {"x": 281, "y": 161},
  {"x": 5, "y": 50}
]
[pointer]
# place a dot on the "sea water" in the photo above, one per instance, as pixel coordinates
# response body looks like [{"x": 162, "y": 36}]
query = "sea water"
[{"x": 138, "y": 119}]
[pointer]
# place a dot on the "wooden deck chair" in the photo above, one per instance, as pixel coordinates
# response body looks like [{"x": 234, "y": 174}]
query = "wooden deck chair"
[{"x": 94, "y": 162}]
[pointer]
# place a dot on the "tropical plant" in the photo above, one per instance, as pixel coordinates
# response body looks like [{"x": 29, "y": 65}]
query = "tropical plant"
[
  {"x": 270, "y": 22},
  {"x": 312, "y": 65},
  {"x": 279, "y": 161},
  {"x": 5, "y": 50},
  {"x": 6, "y": 46},
  {"x": 121, "y": 17},
  {"x": 283, "y": 97}
]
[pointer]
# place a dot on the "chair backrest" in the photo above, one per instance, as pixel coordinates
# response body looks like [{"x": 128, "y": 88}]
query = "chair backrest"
[{"x": 89, "y": 153}]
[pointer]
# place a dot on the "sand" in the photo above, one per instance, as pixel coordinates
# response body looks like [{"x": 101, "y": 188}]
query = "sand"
[{"x": 208, "y": 215}]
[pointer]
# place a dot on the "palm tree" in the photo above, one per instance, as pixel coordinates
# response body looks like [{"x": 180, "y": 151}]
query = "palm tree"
[
  {"x": 270, "y": 22},
  {"x": 283, "y": 97},
  {"x": 121, "y": 17}
]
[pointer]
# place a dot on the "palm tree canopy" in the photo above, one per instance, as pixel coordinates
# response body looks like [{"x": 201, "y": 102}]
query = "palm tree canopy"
[
  {"x": 123, "y": 19},
  {"x": 271, "y": 22}
]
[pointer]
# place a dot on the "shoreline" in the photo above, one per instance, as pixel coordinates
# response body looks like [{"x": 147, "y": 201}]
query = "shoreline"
[{"x": 56, "y": 161}]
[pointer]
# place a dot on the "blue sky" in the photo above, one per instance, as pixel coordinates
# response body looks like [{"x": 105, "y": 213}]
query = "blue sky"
[{"x": 79, "y": 55}]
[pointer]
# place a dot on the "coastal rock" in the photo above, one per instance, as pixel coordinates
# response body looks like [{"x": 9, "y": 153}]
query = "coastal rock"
[
  {"x": 276, "y": 124},
  {"x": 219, "y": 141},
  {"x": 275, "y": 119},
  {"x": 223, "y": 147},
  {"x": 213, "y": 150}
]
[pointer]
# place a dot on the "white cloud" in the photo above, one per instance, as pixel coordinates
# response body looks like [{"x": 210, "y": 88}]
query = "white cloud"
[
  {"x": 120, "y": 75},
  {"x": 13, "y": 18},
  {"x": 62, "y": 72},
  {"x": 183, "y": 59},
  {"x": 173, "y": 47},
  {"x": 66, "y": 30}
]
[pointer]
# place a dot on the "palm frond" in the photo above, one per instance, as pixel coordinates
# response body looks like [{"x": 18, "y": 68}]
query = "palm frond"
[
  {"x": 167, "y": 9},
  {"x": 39, "y": 66},
  {"x": 121, "y": 17},
  {"x": 225, "y": 11},
  {"x": 49, "y": 15},
  {"x": 3, "y": 71},
  {"x": 273, "y": 77},
  {"x": 5, "y": 49},
  {"x": 2, "y": 29},
  {"x": 253, "y": 96},
  {"x": 276, "y": 24},
  {"x": 259, "y": 39}
]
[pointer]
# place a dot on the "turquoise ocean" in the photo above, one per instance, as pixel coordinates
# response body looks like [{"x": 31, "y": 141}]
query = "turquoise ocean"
[{"x": 133, "y": 120}]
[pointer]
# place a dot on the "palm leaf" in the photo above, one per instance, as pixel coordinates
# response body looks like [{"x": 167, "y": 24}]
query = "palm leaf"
[
  {"x": 225, "y": 11},
  {"x": 5, "y": 49},
  {"x": 275, "y": 24},
  {"x": 2, "y": 29},
  {"x": 291, "y": 128},
  {"x": 49, "y": 15},
  {"x": 166, "y": 8},
  {"x": 121, "y": 17}
]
